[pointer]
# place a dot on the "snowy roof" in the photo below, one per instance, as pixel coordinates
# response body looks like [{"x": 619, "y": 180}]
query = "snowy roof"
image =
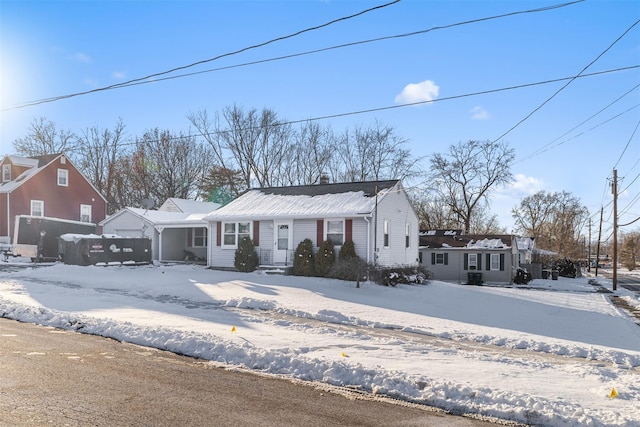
[
  {"x": 174, "y": 204},
  {"x": 310, "y": 201},
  {"x": 450, "y": 239},
  {"x": 34, "y": 164},
  {"x": 162, "y": 217}
]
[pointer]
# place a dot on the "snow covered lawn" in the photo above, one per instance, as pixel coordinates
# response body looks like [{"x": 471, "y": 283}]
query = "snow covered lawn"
[{"x": 545, "y": 354}]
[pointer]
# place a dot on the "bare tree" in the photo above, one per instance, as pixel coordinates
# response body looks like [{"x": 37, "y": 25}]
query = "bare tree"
[
  {"x": 309, "y": 155},
  {"x": 555, "y": 220},
  {"x": 251, "y": 142},
  {"x": 465, "y": 175},
  {"x": 44, "y": 138},
  {"x": 374, "y": 153},
  {"x": 168, "y": 165},
  {"x": 100, "y": 151},
  {"x": 630, "y": 250}
]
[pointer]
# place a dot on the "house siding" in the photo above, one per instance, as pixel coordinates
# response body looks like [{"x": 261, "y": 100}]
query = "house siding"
[
  {"x": 62, "y": 202},
  {"x": 395, "y": 208},
  {"x": 457, "y": 269}
]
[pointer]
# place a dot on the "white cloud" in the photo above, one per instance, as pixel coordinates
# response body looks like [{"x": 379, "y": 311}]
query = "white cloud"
[
  {"x": 81, "y": 57},
  {"x": 418, "y": 92},
  {"x": 118, "y": 75},
  {"x": 479, "y": 113},
  {"x": 521, "y": 186}
]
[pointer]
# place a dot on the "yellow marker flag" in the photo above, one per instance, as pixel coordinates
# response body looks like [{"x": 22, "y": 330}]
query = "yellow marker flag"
[
  {"x": 233, "y": 329},
  {"x": 344, "y": 354},
  {"x": 614, "y": 393}
]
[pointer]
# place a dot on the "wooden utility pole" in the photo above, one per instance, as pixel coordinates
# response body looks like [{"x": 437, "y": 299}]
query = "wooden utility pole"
[
  {"x": 599, "y": 238},
  {"x": 589, "y": 249},
  {"x": 615, "y": 229}
]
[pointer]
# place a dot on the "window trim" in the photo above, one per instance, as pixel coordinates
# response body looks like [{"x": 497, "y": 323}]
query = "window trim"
[
  {"x": 34, "y": 203},
  {"x": 6, "y": 172},
  {"x": 63, "y": 174},
  {"x": 327, "y": 234},
  {"x": 236, "y": 233},
  {"x": 89, "y": 208},
  {"x": 385, "y": 234},
  {"x": 494, "y": 259},
  {"x": 473, "y": 265},
  {"x": 194, "y": 237},
  {"x": 407, "y": 235}
]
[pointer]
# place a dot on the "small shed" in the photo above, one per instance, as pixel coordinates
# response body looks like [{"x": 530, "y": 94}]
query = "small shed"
[{"x": 91, "y": 249}]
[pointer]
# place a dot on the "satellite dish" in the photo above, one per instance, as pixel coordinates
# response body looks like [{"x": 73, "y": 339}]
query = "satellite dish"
[{"x": 146, "y": 203}]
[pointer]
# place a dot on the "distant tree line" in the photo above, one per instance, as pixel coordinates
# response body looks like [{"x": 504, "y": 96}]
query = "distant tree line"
[{"x": 227, "y": 152}]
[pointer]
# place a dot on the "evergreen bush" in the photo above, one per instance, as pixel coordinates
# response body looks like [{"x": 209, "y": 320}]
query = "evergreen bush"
[
  {"x": 303, "y": 262},
  {"x": 325, "y": 258},
  {"x": 246, "y": 258}
]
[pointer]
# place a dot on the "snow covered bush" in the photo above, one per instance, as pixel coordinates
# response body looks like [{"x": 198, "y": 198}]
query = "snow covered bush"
[
  {"x": 246, "y": 258},
  {"x": 303, "y": 262},
  {"x": 391, "y": 276},
  {"x": 325, "y": 258}
]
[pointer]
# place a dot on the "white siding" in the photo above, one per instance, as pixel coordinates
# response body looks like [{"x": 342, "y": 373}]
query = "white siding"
[
  {"x": 395, "y": 208},
  {"x": 359, "y": 237},
  {"x": 305, "y": 229}
]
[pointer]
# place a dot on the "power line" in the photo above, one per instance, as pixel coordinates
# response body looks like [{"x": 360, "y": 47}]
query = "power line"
[
  {"x": 541, "y": 151},
  {"x": 391, "y": 107},
  {"x": 151, "y": 76},
  {"x": 147, "y": 79},
  {"x": 627, "y": 145},
  {"x": 544, "y": 147},
  {"x": 567, "y": 84}
]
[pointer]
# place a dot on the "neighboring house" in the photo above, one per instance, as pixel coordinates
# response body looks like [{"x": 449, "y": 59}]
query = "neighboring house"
[
  {"x": 377, "y": 216},
  {"x": 46, "y": 186},
  {"x": 452, "y": 256},
  {"x": 177, "y": 230}
]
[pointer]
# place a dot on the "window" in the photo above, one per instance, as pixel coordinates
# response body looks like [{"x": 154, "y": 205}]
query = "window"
[
  {"x": 85, "y": 213},
  {"x": 233, "y": 232},
  {"x": 386, "y": 233},
  {"x": 197, "y": 237},
  {"x": 335, "y": 231},
  {"x": 63, "y": 177},
  {"x": 495, "y": 261},
  {"x": 473, "y": 261},
  {"x": 37, "y": 208},
  {"x": 440, "y": 258},
  {"x": 407, "y": 233},
  {"x": 6, "y": 173}
]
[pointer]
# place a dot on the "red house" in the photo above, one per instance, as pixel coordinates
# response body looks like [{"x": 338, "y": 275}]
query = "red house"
[{"x": 46, "y": 186}]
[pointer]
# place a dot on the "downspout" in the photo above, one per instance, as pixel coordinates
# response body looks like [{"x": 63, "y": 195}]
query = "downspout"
[
  {"x": 368, "y": 239},
  {"x": 9, "y": 219},
  {"x": 375, "y": 232}
]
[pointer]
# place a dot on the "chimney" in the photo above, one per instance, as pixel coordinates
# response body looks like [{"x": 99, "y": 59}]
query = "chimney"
[{"x": 324, "y": 179}]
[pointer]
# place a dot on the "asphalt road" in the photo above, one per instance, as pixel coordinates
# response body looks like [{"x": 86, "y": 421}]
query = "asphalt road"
[{"x": 61, "y": 378}]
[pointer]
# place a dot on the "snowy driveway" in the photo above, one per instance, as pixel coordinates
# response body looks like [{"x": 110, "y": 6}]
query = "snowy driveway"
[{"x": 541, "y": 356}]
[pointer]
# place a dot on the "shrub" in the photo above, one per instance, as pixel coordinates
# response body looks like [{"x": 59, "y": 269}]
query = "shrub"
[
  {"x": 246, "y": 258},
  {"x": 352, "y": 268},
  {"x": 303, "y": 262},
  {"x": 325, "y": 258},
  {"x": 347, "y": 251},
  {"x": 391, "y": 276}
]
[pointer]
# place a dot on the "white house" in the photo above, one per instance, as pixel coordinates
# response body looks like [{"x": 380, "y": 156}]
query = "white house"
[
  {"x": 377, "y": 216},
  {"x": 463, "y": 258},
  {"x": 177, "y": 230}
]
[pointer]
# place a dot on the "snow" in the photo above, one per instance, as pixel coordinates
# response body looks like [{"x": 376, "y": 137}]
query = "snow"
[{"x": 548, "y": 353}]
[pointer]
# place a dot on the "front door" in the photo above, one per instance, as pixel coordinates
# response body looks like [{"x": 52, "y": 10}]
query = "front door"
[{"x": 282, "y": 244}]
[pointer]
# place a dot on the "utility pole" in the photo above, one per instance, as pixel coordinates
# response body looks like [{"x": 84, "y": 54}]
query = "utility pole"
[
  {"x": 599, "y": 238},
  {"x": 615, "y": 229},
  {"x": 589, "y": 250}
]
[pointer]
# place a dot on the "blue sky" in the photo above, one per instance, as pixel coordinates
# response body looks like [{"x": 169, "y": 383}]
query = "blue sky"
[{"x": 53, "y": 48}]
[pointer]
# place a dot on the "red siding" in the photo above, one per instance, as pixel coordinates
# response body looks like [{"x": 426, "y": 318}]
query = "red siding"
[{"x": 59, "y": 201}]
